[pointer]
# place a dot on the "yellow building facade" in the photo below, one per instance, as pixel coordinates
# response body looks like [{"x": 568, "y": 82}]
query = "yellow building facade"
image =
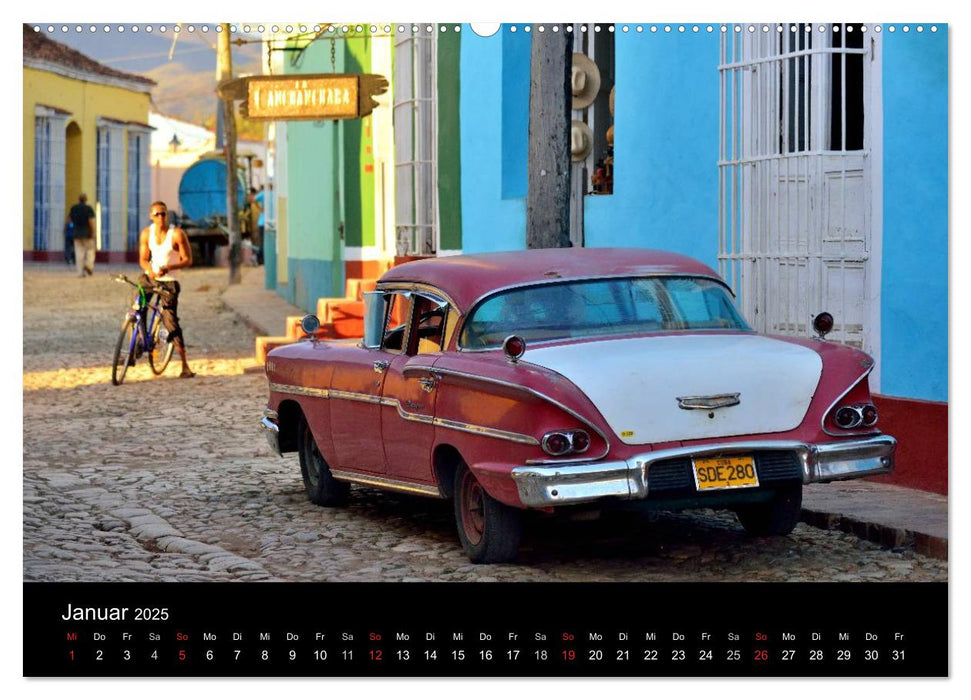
[{"x": 85, "y": 131}]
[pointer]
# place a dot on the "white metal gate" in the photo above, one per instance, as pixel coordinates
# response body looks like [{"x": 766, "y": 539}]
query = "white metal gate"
[
  {"x": 795, "y": 181},
  {"x": 416, "y": 143}
]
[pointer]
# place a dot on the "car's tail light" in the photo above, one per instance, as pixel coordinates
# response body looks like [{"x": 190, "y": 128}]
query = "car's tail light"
[
  {"x": 849, "y": 417},
  {"x": 581, "y": 441},
  {"x": 562, "y": 442},
  {"x": 869, "y": 414},
  {"x": 556, "y": 443}
]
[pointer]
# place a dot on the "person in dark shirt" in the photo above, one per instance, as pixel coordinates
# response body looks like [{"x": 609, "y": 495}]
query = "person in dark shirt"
[{"x": 82, "y": 216}]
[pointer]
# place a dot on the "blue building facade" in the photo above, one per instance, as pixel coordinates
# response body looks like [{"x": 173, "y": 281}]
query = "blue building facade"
[{"x": 668, "y": 120}]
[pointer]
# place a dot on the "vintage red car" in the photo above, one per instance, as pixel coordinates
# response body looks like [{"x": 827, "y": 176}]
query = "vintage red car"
[{"x": 543, "y": 379}]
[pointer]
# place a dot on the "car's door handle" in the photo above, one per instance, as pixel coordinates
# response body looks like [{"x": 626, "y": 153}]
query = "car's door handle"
[
  {"x": 427, "y": 384},
  {"x": 380, "y": 366}
]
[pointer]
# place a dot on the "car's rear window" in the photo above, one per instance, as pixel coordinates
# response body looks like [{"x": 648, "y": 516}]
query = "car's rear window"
[{"x": 594, "y": 308}]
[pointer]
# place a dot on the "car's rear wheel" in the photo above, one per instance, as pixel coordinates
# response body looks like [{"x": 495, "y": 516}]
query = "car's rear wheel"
[
  {"x": 490, "y": 531},
  {"x": 322, "y": 488},
  {"x": 776, "y": 517}
]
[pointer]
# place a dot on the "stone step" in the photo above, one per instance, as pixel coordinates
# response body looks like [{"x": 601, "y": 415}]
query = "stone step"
[
  {"x": 346, "y": 309},
  {"x": 340, "y": 318},
  {"x": 265, "y": 343}
]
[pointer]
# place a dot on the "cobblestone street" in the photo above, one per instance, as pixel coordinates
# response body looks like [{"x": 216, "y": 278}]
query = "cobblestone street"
[{"x": 163, "y": 479}]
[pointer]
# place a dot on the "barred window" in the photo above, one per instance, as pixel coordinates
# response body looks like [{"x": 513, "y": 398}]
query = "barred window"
[
  {"x": 416, "y": 139},
  {"x": 49, "y": 160},
  {"x": 110, "y": 181},
  {"x": 139, "y": 187}
]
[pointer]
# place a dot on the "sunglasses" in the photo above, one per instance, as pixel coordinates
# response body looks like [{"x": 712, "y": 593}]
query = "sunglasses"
[{"x": 159, "y": 213}]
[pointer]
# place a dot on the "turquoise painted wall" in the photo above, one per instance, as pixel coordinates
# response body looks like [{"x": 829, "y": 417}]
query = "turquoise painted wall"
[
  {"x": 489, "y": 222},
  {"x": 314, "y": 161},
  {"x": 666, "y": 125},
  {"x": 914, "y": 309},
  {"x": 269, "y": 259}
]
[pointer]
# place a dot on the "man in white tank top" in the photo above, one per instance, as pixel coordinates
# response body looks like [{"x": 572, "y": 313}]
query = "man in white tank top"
[{"x": 163, "y": 249}]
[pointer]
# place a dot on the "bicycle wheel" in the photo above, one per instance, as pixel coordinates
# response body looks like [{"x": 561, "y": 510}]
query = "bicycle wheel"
[
  {"x": 123, "y": 352},
  {"x": 158, "y": 358}
]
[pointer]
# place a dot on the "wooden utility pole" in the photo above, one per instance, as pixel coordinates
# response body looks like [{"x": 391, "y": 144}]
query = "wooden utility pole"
[
  {"x": 548, "y": 195},
  {"x": 224, "y": 72}
]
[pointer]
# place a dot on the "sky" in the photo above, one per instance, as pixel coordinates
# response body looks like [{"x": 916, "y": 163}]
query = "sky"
[{"x": 184, "y": 69}]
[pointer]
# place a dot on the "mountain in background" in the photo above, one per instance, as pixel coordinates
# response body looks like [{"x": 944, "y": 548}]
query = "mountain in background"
[
  {"x": 186, "y": 83},
  {"x": 187, "y": 94}
]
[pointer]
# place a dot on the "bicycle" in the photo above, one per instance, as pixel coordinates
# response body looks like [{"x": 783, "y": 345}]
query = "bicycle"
[{"x": 139, "y": 337}]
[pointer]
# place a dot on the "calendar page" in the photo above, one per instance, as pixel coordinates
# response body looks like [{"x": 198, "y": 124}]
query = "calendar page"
[{"x": 451, "y": 350}]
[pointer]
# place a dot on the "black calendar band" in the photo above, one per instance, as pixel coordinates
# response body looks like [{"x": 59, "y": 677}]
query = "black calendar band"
[{"x": 481, "y": 629}]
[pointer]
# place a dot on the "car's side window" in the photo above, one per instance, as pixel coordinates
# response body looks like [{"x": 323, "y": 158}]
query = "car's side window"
[
  {"x": 396, "y": 326},
  {"x": 429, "y": 324}
]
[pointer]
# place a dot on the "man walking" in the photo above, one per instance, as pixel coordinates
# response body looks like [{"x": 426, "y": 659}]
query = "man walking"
[
  {"x": 164, "y": 248},
  {"x": 82, "y": 216}
]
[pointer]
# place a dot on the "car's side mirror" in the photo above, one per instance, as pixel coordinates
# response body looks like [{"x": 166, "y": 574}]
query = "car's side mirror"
[
  {"x": 374, "y": 312},
  {"x": 310, "y": 324}
]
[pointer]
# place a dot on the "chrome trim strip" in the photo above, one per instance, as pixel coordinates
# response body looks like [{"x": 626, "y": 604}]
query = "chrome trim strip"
[
  {"x": 299, "y": 390},
  {"x": 418, "y": 369},
  {"x": 533, "y": 392},
  {"x": 355, "y": 396},
  {"x": 406, "y": 415},
  {"x": 822, "y": 422},
  {"x": 488, "y": 432},
  {"x": 385, "y": 483},
  {"x": 417, "y": 417}
]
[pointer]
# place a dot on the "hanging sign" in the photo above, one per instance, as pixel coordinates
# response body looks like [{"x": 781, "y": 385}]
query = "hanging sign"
[{"x": 306, "y": 97}]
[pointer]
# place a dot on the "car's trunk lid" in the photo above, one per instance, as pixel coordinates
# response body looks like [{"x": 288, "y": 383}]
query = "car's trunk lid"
[{"x": 682, "y": 387}]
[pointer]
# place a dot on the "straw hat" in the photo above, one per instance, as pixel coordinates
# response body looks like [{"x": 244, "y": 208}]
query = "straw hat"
[
  {"x": 581, "y": 140},
  {"x": 584, "y": 81}
]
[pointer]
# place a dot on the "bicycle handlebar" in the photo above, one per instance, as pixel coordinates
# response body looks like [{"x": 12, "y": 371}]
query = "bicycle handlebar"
[{"x": 151, "y": 289}]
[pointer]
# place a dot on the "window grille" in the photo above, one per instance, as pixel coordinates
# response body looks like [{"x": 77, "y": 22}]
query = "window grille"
[
  {"x": 416, "y": 144},
  {"x": 139, "y": 187},
  {"x": 794, "y": 176},
  {"x": 49, "y": 173},
  {"x": 110, "y": 180}
]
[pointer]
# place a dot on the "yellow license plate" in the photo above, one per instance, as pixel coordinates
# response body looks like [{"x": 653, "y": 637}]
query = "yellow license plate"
[{"x": 725, "y": 473}]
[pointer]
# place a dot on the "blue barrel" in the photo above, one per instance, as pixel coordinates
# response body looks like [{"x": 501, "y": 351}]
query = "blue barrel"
[{"x": 202, "y": 190}]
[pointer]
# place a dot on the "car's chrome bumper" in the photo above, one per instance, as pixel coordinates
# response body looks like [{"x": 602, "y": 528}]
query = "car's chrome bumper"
[
  {"x": 270, "y": 427},
  {"x": 578, "y": 483}
]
